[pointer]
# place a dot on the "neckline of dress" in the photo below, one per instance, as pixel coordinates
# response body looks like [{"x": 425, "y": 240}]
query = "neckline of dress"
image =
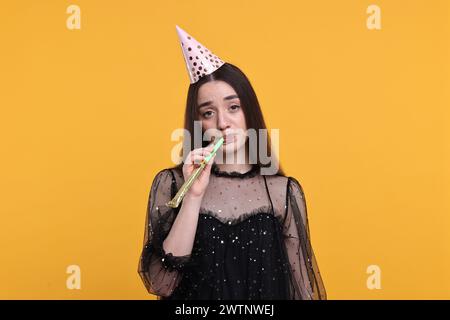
[{"x": 235, "y": 174}]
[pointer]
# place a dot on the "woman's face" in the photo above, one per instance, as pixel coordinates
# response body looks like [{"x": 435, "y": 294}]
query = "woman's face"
[{"x": 220, "y": 108}]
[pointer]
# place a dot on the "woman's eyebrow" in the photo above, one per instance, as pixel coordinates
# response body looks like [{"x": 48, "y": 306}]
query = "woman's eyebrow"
[{"x": 207, "y": 103}]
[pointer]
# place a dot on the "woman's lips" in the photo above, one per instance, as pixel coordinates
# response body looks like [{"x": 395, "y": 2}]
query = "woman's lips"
[{"x": 228, "y": 139}]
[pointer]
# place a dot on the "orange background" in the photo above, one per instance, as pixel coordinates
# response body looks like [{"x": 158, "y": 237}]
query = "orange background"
[{"x": 86, "y": 118}]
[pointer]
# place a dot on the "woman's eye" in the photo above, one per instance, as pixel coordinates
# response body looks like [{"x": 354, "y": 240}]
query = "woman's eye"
[
  {"x": 234, "y": 107},
  {"x": 207, "y": 114}
]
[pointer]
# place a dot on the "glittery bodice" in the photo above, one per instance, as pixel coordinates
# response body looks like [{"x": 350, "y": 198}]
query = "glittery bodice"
[{"x": 236, "y": 261}]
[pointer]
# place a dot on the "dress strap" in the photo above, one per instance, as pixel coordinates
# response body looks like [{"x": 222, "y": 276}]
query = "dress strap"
[{"x": 268, "y": 194}]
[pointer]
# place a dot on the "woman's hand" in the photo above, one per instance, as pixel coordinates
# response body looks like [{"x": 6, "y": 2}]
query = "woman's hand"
[{"x": 192, "y": 162}]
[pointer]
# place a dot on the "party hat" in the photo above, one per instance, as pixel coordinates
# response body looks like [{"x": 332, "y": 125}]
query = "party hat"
[{"x": 199, "y": 60}]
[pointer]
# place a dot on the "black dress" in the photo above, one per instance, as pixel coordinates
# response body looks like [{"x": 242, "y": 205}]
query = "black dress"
[{"x": 252, "y": 241}]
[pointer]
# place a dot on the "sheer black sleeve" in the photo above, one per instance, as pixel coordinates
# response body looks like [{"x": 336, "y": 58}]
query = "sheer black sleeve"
[
  {"x": 306, "y": 281},
  {"x": 160, "y": 271}
]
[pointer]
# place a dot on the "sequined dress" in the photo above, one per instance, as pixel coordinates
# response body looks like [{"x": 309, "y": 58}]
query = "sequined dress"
[{"x": 252, "y": 241}]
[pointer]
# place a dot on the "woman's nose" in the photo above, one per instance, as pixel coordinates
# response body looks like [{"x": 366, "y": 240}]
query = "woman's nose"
[{"x": 222, "y": 122}]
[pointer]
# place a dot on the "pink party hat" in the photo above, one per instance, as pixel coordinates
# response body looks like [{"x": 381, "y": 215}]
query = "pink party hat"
[{"x": 199, "y": 60}]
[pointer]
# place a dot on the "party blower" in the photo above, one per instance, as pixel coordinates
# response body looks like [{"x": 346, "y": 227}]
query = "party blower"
[{"x": 175, "y": 202}]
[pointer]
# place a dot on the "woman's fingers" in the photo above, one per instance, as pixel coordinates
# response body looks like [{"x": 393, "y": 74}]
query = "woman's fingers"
[
  {"x": 203, "y": 151},
  {"x": 196, "y": 159},
  {"x": 194, "y": 154}
]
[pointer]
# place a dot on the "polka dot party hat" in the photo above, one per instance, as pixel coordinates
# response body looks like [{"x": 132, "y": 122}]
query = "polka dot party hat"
[{"x": 199, "y": 60}]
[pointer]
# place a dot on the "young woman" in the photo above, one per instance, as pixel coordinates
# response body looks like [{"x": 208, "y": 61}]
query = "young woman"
[{"x": 237, "y": 234}]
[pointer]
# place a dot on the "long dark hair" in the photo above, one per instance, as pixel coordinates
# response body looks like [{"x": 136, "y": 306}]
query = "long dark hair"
[{"x": 254, "y": 119}]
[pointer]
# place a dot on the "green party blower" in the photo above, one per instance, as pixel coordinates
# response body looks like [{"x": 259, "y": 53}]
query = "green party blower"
[{"x": 175, "y": 202}]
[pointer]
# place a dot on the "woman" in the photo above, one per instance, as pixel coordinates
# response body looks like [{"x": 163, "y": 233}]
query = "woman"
[{"x": 238, "y": 234}]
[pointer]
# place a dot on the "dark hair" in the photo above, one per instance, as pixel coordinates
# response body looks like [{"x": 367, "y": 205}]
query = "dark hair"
[{"x": 249, "y": 104}]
